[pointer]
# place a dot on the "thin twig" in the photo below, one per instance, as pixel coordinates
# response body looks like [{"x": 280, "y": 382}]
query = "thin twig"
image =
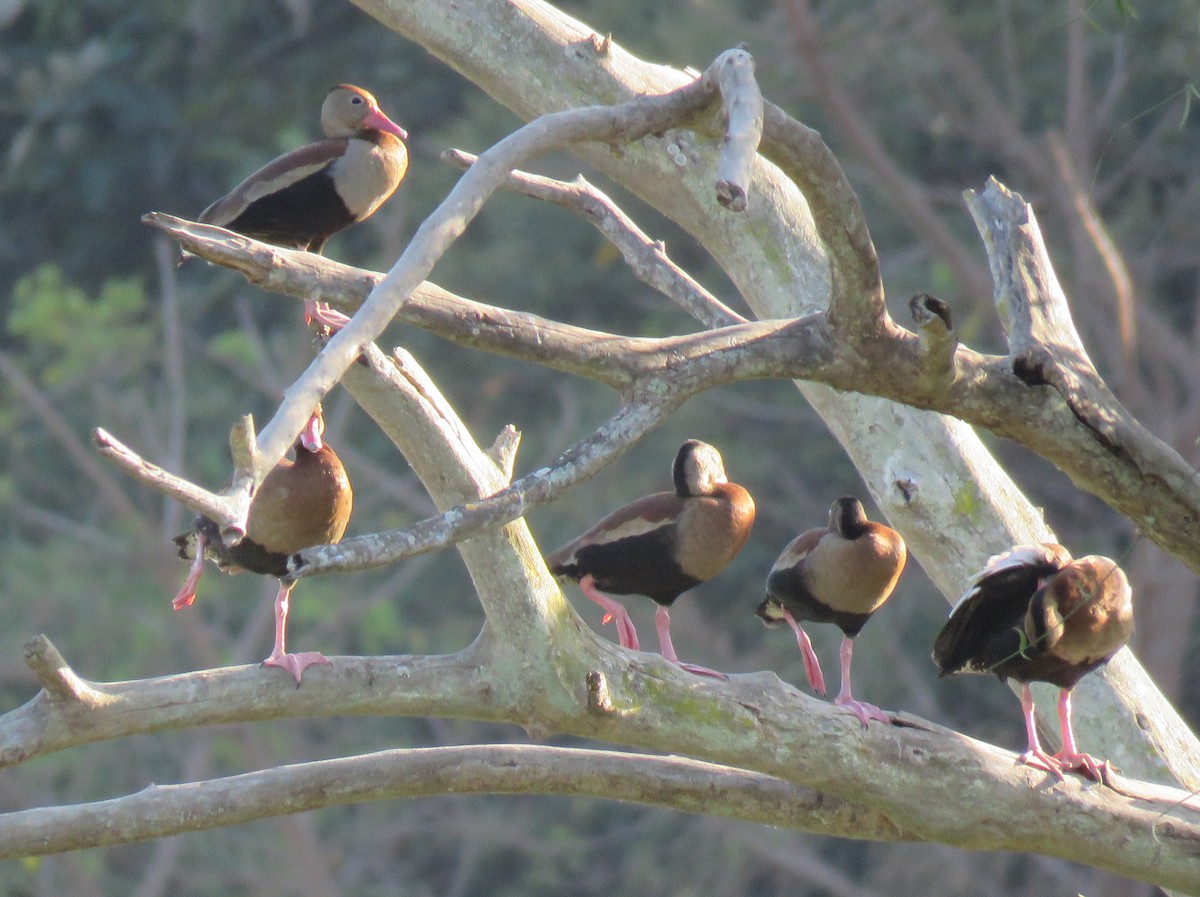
[
  {"x": 646, "y": 258},
  {"x": 61, "y": 682},
  {"x": 229, "y": 511}
]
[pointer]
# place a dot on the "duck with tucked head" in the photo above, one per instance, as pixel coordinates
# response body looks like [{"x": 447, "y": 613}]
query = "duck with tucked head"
[
  {"x": 661, "y": 545},
  {"x": 840, "y": 573},
  {"x": 1034, "y": 614}
]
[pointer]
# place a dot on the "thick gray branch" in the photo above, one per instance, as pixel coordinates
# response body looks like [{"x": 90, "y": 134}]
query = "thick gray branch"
[
  {"x": 927, "y": 781},
  {"x": 525, "y": 610},
  {"x": 687, "y": 785},
  {"x": 1157, "y": 489}
]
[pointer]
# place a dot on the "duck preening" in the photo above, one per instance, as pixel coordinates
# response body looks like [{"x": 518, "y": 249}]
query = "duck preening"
[
  {"x": 301, "y": 502},
  {"x": 1036, "y": 615},
  {"x": 662, "y": 545},
  {"x": 304, "y": 197},
  {"x": 840, "y": 573}
]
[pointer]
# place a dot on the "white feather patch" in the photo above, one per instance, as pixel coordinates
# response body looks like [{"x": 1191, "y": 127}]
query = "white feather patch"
[
  {"x": 636, "y": 526},
  {"x": 1019, "y": 556}
]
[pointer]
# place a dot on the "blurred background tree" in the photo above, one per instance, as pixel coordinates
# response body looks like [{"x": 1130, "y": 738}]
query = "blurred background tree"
[{"x": 118, "y": 107}]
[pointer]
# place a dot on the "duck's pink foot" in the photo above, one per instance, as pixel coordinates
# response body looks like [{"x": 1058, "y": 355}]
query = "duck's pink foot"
[
  {"x": 324, "y": 315},
  {"x": 1039, "y": 759},
  {"x": 1085, "y": 764},
  {"x": 812, "y": 666},
  {"x": 702, "y": 671},
  {"x": 863, "y": 710},
  {"x": 187, "y": 592},
  {"x": 614, "y": 612},
  {"x": 296, "y": 664},
  {"x": 1035, "y": 756},
  {"x": 1069, "y": 757}
]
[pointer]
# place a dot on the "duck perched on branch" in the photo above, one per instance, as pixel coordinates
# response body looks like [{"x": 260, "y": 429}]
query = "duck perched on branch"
[
  {"x": 1036, "y": 615},
  {"x": 662, "y": 545},
  {"x": 840, "y": 573},
  {"x": 304, "y": 197},
  {"x": 301, "y": 502}
]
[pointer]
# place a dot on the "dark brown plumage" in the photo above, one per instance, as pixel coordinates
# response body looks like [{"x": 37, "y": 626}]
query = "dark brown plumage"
[
  {"x": 304, "y": 197},
  {"x": 300, "y": 503},
  {"x": 841, "y": 573},
  {"x": 662, "y": 545},
  {"x": 1036, "y": 615}
]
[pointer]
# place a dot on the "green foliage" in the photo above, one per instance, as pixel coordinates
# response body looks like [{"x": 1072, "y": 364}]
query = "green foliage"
[
  {"x": 71, "y": 336},
  {"x": 234, "y": 346}
]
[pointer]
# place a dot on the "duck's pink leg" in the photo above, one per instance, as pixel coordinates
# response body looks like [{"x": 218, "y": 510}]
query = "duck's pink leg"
[
  {"x": 1070, "y": 757},
  {"x": 295, "y": 664},
  {"x": 812, "y": 666},
  {"x": 187, "y": 592},
  {"x": 614, "y": 612},
  {"x": 1034, "y": 756},
  {"x": 662, "y": 622},
  {"x": 845, "y": 699}
]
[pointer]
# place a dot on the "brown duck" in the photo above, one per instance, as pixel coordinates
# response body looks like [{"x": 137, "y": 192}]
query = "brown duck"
[
  {"x": 662, "y": 544},
  {"x": 300, "y": 503},
  {"x": 1036, "y": 615},
  {"x": 841, "y": 573},
  {"x": 304, "y": 197}
]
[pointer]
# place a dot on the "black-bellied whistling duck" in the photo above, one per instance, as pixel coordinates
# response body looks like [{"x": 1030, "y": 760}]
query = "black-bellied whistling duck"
[
  {"x": 840, "y": 574},
  {"x": 662, "y": 545},
  {"x": 306, "y": 196},
  {"x": 300, "y": 503},
  {"x": 1036, "y": 615}
]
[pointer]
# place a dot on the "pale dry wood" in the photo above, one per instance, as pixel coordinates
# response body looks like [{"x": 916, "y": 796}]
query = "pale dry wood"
[
  {"x": 646, "y": 258},
  {"x": 930, "y": 474},
  {"x": 743, "y": 128},
  {"x": 159, "y": 811},
  {"x": 1077, "y": 435},
  {"x": 940, "y": 785}
]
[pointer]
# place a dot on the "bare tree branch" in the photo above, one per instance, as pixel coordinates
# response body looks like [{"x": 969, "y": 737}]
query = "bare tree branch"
[
  {"x": 744, "y": 124},
  {"x": 940, "y": 785},
  {"x": 912, "y": 774},
  {"x": 646, "y": 258},
  {"x": 682, "y": 784},
  {"x": 223, "y": 509},
  {"x": 637, "y": 415}
]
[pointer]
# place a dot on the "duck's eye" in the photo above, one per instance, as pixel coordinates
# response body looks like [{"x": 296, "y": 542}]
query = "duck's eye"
[{"x": 357, "y": 101}]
